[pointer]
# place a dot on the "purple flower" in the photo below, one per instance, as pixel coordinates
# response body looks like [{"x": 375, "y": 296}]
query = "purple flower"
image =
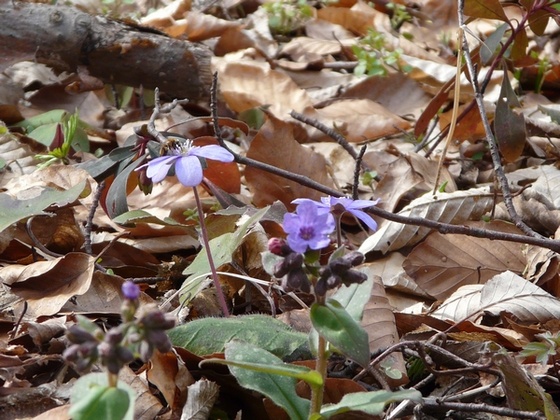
[
  {"x": 309, "y": 227},
  {"x": 130, "y": 290},
  {"x": 340, "y": 205},
  {"x": 187, "y": 160}
]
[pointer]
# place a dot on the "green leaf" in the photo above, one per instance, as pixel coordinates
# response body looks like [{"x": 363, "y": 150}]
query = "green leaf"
[
  {"x": 116, "y": 196},
  {"x": 280, "y": 389},
  {"x": 354, "y": 297},
  {"x": 141, "y": 216},
  {"x": 341, "y": 330},
  {"x": 303, "y": 373},
  {"x": 222, "y": 248},
  {"x": 13, "y": 210},
  {"x": 99, "y": 169},
  {"x": 372, "y": 403},
  {"x": 492, "y": 43},
  {"x": 93, "y": 399},
  {"x": 509, "y": 125},
  {"x": 485, "y": 9},
  {"x": 210, "y": 335},
  {"x": 54, "y": 116},
  {"x": 553, "y": 111}
]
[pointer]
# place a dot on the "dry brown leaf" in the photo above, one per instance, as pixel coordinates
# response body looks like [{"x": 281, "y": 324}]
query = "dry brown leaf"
[
  {"x": 146, "y": 406},
  {"x": 443, "y": 263},
  {"x": 359, "y": 119},
  {"x": 379, "y": 322},
  {"x": 275, "y": 144},
  {"x": 408, "y": 173},
  {"x": 506, "y": 292},
  {"x": 170, "y": 375},
  {"x": 47, "y": 285},
  {"x": 202, "y": 396},
  {"x": 396, "y": 92},
  {"x": 356, "y": 19},
  {"x": 198, "y": 26},
  {"x": 394, "y": 277},
  {"x": 103, "y": 297},
  {"x": 249, "y": 84},
  {"x": 456, "y": 207}
]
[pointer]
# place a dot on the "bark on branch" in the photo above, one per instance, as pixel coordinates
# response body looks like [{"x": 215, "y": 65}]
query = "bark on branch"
[{"x": 65, "y": 38}]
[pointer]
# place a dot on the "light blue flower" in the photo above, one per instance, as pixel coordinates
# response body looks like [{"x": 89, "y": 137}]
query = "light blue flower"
[
  {"x": 187, "y": 161},
  {"x": 339, "y": 205},
  {"x": 308, "y": 227}
]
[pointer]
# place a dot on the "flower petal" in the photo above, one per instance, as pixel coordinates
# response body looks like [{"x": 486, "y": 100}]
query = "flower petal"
[
  {"x": 361, "y": 204},
  {"x": 189, "y": 171},
  {"x": 321, "y": 206},
  {"x": 159, "y": 167},
  {"x": 213, "y": 152},
  {"x": 364, "y": 217}
]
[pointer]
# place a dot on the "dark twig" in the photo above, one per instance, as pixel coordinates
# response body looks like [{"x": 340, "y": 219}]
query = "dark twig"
[
  {"x": 36, "y": 242},
  {"x": 159, "y": 110},
  {"x": 339, "y": 138},
  {"x": 89, "y": 221},
  {"x": 495, "y": 153},
  {"x": 357, "y": 171},
  {"x": 433, "y": 403}
]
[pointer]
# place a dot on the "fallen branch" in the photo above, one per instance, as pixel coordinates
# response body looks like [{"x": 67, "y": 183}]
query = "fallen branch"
[{"x": 65, "y": 38}]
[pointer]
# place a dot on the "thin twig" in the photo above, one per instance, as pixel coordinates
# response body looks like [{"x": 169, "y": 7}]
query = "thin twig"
[
  {"x": 357, "y": 171},
  {"x": 433, "y": 403},
  {"x": 333, "y": 134},
  {"x": 491, "y": 140},
  {"x": 89, "y": 221},
  {"x": 159, "y": 110}
]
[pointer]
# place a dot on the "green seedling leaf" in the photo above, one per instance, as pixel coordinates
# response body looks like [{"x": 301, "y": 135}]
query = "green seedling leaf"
[
  {"x": 50, "y": 117},
  {"x": 541, "y": 351},
  {"x": 485, "y": 9},
  {"x": 13, "y": 210},
  {"x": 553, "y": 111},
  {"x": 141, "y": 216},
  {"x": 93, "y": 399},
  {"x": 210, "y": 335},
  {"x": 509, "y": 125},
  {"x": 372, "y": 403},
  {"x": 338, "y": 327},
  {"x": 492, "y": 43},
  {"x": 280, "y": 389},
  {"x": 522, "y": 390},
  {"x": 116, "y": 196},
  {"x": 103, "y": 167},
  {"x": 222, "y": 248}
]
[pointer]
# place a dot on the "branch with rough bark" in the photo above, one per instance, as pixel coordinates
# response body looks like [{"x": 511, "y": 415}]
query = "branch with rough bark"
[{"x": 65, "y": 38}]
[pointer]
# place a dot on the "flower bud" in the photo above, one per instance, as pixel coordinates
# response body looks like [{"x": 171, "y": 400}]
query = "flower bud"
[{"x": 278, "y": 246}]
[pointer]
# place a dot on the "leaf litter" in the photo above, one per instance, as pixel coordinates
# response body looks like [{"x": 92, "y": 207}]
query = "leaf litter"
[{"x": 469, "y": 301}]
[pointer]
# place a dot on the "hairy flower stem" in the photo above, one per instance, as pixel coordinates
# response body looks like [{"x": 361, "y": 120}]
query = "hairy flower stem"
[
  {"x": 321, "y": 367},
  {"x": 112, "y": 379},
  {"x": 206, "y": 243}
]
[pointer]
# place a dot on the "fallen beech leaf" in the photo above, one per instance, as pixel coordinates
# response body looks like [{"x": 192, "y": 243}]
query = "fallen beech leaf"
[
  {"x": 505, "y": 292},
  {"x": 275, "y": 144},
  {"x": 202, "y": 396},
  {"x": 47, "y": 285},
  {"x": 249, "y": 84},
  {"x": 456, "y": 207},
  {"x": 379, "y": 322},
  {"x": 360, "y": 119},
  {"x": 443, "y": 263}
]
